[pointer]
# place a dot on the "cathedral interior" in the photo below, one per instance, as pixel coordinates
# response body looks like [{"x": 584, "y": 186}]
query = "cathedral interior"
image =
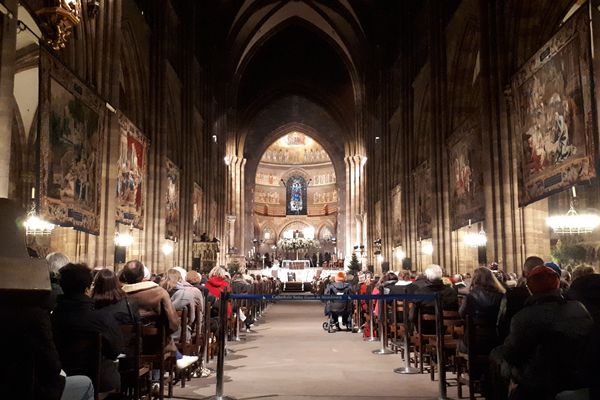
[{"x": 194, "y": 134}]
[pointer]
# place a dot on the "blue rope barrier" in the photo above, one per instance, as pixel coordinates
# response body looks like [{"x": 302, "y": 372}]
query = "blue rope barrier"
[{"x": 317, "y": 297}]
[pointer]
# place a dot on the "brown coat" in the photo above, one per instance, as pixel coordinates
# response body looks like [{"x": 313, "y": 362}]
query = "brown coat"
[{"x": 150, "y": 298}]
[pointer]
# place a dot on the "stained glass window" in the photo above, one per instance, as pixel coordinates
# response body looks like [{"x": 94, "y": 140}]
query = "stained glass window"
[{"x": 296, "y": 196}]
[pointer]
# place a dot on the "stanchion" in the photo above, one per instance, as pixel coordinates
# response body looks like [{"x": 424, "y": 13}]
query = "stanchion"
[
  {"x": 221, "y": 355},
  {"x": 371, "y": 336},
  {"x": 407, "y": 369},
  {"x": 439, "y": 325},
  {"x": 383, "y": 350},
  {"x": 358, "y": 317}
]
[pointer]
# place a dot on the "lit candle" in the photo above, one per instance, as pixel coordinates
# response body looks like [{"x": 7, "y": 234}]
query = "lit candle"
[{"x": 33, "y": 192}]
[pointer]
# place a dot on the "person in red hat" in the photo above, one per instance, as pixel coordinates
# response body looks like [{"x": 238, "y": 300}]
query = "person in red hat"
[{"x": 545, "y": 350}]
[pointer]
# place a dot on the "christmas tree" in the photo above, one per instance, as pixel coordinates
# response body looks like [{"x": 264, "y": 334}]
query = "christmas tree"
[{"x": 354, "y": 265}]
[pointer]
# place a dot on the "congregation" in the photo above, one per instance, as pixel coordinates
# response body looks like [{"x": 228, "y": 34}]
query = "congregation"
[{"x": 536, "y": 336}]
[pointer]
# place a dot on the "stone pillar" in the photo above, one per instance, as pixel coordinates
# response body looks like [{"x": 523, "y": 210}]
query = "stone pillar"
[
  {"x": 8, "y": 43},
  {"x": 356, "y": 218},
  {"x": 230, "y": 233}
]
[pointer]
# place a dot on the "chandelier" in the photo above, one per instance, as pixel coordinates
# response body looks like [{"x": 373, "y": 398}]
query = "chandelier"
[
  {"x": 473, "y": 239},
  {"x": 427, "y": 248},
  {"x": 35, "y": 225},
  {"x": 572, "y": 222},
  {"x": 58, "y": 17}
]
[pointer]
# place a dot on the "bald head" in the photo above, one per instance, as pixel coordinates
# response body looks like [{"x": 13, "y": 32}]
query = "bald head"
[{"x": 530, "y": 264}]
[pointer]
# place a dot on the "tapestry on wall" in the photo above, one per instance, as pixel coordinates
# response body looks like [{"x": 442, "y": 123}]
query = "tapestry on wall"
[
  {"x": 553, "y": 105},
  {"x": 397, "y": 215},
  {"x": 172, "y": 201},
  {"x": 131, "y": 174},
  {"x": 197, "y": 213},
  {"x": 466, "y": 177},
  {"x": 423, "y": 200},
  {"x": 71, "y": 148}
]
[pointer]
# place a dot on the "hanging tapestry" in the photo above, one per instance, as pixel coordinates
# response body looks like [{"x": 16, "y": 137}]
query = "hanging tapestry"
[
  {"x": 423, "y": 200},
  {"x": 397, "y": 215},
  {"x": 296, "y": 196},
  {"x": 197, "y": 213},
  {"x": 71, "y": 148},
  {"x": 131, "y": 174},
  {"x": 466, "y": 177},
  {"x": 172, "y": 201},
  {"x": 553, "y": 107}
]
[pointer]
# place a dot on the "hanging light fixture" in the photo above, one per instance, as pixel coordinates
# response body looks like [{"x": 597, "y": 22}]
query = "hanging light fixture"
[
  {"x": 167, "y": 248},
  {"x": 58, "y": 18},
  {"x": 34, "y": 225},
  {"x": 427, "y": 248},
  {"x": 400, "y": 253},
  {"x": 475, "y": 239},
  {"x": 573, "y": 222},
  {"x": 123, "y": 239}
]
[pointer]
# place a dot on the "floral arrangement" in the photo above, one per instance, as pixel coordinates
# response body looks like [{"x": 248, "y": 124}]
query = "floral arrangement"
[{"x": 298, "y": 244}]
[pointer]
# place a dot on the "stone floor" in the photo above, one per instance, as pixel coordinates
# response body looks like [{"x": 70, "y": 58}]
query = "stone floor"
[{"x": 290, "y": 356}]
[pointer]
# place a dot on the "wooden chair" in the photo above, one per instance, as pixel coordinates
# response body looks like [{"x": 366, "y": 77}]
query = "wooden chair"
[
  {"x": 135, "y": 376},
  {"x": 154, "y": 341},
  {"x": 475, "y": 360},
  {"x": 453, "y": 327},
  {"x": 81, "y": 354}
]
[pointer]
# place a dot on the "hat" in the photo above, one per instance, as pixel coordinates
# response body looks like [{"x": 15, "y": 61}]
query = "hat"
[
  {"x": 553, "y": 267},
  {"x": 340, "y": 276},
  {"x": 542, "y": 279}
]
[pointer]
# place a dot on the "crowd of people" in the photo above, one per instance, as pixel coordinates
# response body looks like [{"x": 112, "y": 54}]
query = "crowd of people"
[
  {"x": 99, "y": 302},
  {"x": 539, "y": 332}
]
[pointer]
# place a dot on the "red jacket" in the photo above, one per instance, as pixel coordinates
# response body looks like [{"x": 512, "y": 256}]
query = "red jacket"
[{"x": 215, "y": 286}]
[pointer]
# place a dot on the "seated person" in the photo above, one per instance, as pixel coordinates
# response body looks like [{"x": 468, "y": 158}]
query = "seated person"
[
  {"x": 339, "y": 308},
  {"x": 545, "y": 351},
  {"x": 109, "y": 297},
  {"x": 74, "y": 316},
  {"x": 149, "y": 297},
  {"x": 433, "y": 285}
]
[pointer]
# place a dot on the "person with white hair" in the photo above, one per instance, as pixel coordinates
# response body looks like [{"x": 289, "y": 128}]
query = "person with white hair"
[
  {"x": 435, "y": 285},
  {"x": 55, "y": 262}
]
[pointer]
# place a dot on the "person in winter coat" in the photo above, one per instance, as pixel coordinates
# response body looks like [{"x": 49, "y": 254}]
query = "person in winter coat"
[
  {"x": 109, "y": 297},
  {"x": 546, "y": 349},
  {"x": 216, "y": 284},
  {"x": 149, "y": 297},
  {"x": 339, "y": 308},
  {"x": 433, "y": 285},
  {"x": 75, "y": 315},
  {"x": 183, "y": 295}
]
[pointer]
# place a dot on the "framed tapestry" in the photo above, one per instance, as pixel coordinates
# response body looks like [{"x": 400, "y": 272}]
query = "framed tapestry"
[
  {"x": 467, "y": 200},
  {"x": 197, "y": 213},
  {"x": 423, "y": 199},
  {"x": 131, "y": 174},
  {"x": 71, "y": 148},
  {"x": 552, "y": 102},
  {"x": 397, "y": 215},
  {"x": 172, "y": 201}
]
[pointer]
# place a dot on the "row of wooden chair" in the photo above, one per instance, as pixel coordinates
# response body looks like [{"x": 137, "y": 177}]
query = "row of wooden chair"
[{"x": 423, "y": 353}]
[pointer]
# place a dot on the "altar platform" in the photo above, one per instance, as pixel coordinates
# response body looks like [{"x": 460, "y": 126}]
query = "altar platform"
[{"x": 296, "y": 275}]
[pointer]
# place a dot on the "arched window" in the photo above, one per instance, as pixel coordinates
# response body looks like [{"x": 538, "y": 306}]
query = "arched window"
[{"x": 296, "y": 196}]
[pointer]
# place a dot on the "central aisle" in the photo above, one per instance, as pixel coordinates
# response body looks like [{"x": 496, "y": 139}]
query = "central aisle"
[{"x": 291, "y": 357}]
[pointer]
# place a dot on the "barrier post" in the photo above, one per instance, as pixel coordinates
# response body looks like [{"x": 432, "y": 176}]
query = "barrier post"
[
  {"x": 407, "y": 368},
  {"x": 371, "y": 336},
  {"x": 221, "y": 354},
  {"x": 439, "y": 325},
  {"x": 383, "y": 350}
]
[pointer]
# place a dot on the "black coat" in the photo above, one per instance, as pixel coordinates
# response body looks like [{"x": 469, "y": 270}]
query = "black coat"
[
  {"x": 30, "y": 367},
  {"x": 75, "y": 315},
  {"x": 338, "y": 306},
  {"x": 449, "y": 302},
  {"x": 481, "y": 306},
  {"x": 547, "y": 347}
]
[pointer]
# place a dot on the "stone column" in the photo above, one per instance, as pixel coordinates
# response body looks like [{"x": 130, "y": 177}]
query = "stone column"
[
  {"x": 8, "y": 43},
  {"x": 230, "y": 232}
]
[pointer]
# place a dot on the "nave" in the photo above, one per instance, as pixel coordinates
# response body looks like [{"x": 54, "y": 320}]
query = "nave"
[{"x": 290, "y": 342}]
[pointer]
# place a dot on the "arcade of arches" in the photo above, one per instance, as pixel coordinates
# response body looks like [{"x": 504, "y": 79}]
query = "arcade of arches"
[
  {"x": 166, "y": 123},
  {"x": 266, "y": 136}
]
